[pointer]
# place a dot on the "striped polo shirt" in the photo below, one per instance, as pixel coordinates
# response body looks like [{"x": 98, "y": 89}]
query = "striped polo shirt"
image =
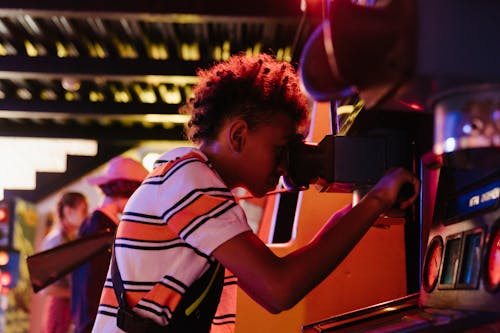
[{"x": 170, "y": 226}]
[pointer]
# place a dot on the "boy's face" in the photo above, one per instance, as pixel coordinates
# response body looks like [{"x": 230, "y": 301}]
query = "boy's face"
[{"x": 265, "y": 154}]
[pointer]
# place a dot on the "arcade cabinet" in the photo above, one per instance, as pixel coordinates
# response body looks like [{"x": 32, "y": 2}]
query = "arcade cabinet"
[{"x": 420, "y": 84}]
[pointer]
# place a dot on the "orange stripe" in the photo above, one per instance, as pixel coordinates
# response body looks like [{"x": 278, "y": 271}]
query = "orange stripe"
[
  {"x": 198, "y": 207},
  {"x": 146, "y": 232},
  {"x": 164, "y": 296},
  {"x": 160, "y": 294},
  {"x": 133, "y": 297},
  {"x": 108, "y": 297},
  {"x": 163, "y": 169}
]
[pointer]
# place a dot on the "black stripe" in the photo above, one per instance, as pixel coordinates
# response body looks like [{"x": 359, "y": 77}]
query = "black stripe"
[
  {"x": 106, "y": 313},
  {"x": 174, "y": 280},
  {"x": 178, "y": 239},
  {"x": 150, "y": 285},
  {"x": 144, "y": 222},
  {"x": 137, "y": 283},
  {"x": 164, "y": 247},
  {"x": 170, "y": 172},
  {"x": 229, "y": 315},
  {"x": 141, "y": 215},
  {"x": 208, "y": 217},
  {"x": 224, "y": 322},
  {"x": 230, "y": 283},
  {"x": 108, "y": 306}
]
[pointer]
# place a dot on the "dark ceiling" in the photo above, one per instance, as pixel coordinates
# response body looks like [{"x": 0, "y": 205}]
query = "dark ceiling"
[{"x": 117, "y": 71}]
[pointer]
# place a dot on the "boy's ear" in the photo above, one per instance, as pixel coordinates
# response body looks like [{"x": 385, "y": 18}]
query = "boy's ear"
[{"x": 237, "y": 135}]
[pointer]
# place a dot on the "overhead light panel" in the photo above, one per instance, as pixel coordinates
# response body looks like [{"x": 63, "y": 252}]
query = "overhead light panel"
[{"x": 23, "y": 160}]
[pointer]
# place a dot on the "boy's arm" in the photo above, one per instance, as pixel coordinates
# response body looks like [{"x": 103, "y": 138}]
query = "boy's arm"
[{"x": 279, "y": 283}]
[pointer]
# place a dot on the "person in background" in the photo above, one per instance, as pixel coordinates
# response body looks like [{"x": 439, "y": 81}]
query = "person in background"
[
  {"x": 72, "y": 209},
  {"x": 183, "y": 224},
  {"x": 121, "y": 178}
]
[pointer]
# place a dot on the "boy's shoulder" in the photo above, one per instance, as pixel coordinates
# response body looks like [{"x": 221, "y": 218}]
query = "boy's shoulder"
[{"x": 179, "y": 153}]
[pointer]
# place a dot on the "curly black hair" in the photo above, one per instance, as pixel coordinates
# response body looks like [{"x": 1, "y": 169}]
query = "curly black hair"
[{"x": 253, "y": 88}]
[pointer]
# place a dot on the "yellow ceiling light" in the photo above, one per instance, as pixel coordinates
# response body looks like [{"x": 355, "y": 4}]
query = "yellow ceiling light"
[
  {"x": 96, "y": 96},
  {"x": 48, "y": 95},
  {"x": 190, "y": 51},
  {"x": 255, "y": 50},
  {"x": 170, "y": 95},
  {"x": 157, "y": 51},
  {"x": 96, "y": 50},
  {"x": 71, "y": 96},
  {"x": 287, "y": 54},
  {"x": 279, "y": 54},
  {"x": 31, "y": 49},
  {"x": 146, "y": 94},
  {"x": 120, "y": 95},
  {"x": 126, "y": 50},
  {"x": 217, "y": 53},
  {"x": 62, "y": 52},
  {"x": 24, "y": 94},
  {"x": 195, "y": 52},
  {"x": 3, "y": 50},
  {"x": 66, "y": 50},
  {"x": 226, "y": 50}
]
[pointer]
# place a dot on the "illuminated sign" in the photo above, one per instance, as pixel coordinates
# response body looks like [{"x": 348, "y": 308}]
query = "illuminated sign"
[{"x": 481, "y": 198}]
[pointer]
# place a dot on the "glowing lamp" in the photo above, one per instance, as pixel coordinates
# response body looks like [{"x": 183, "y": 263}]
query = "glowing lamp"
[
  {"x": 6, "y": 279},
  {"x": 4, "y": 258}
]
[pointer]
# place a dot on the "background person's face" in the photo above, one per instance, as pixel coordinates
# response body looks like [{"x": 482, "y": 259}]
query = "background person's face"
[{"x": 75, "y": 215}]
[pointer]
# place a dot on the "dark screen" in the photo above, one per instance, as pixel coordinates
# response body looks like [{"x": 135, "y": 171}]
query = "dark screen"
[
  {"x": 469, "y": 272},
  {"x": 451, "y": 260}
]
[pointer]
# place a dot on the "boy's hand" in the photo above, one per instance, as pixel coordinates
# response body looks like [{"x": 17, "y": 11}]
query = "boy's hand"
[{"x": 398, "y": 188}]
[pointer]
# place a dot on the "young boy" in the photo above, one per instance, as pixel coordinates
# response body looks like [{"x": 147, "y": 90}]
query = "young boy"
[{"x": 183, "y": 219}]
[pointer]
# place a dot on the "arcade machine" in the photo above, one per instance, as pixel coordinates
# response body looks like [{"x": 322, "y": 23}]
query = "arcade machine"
[{"x": 428, "y": 69}]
